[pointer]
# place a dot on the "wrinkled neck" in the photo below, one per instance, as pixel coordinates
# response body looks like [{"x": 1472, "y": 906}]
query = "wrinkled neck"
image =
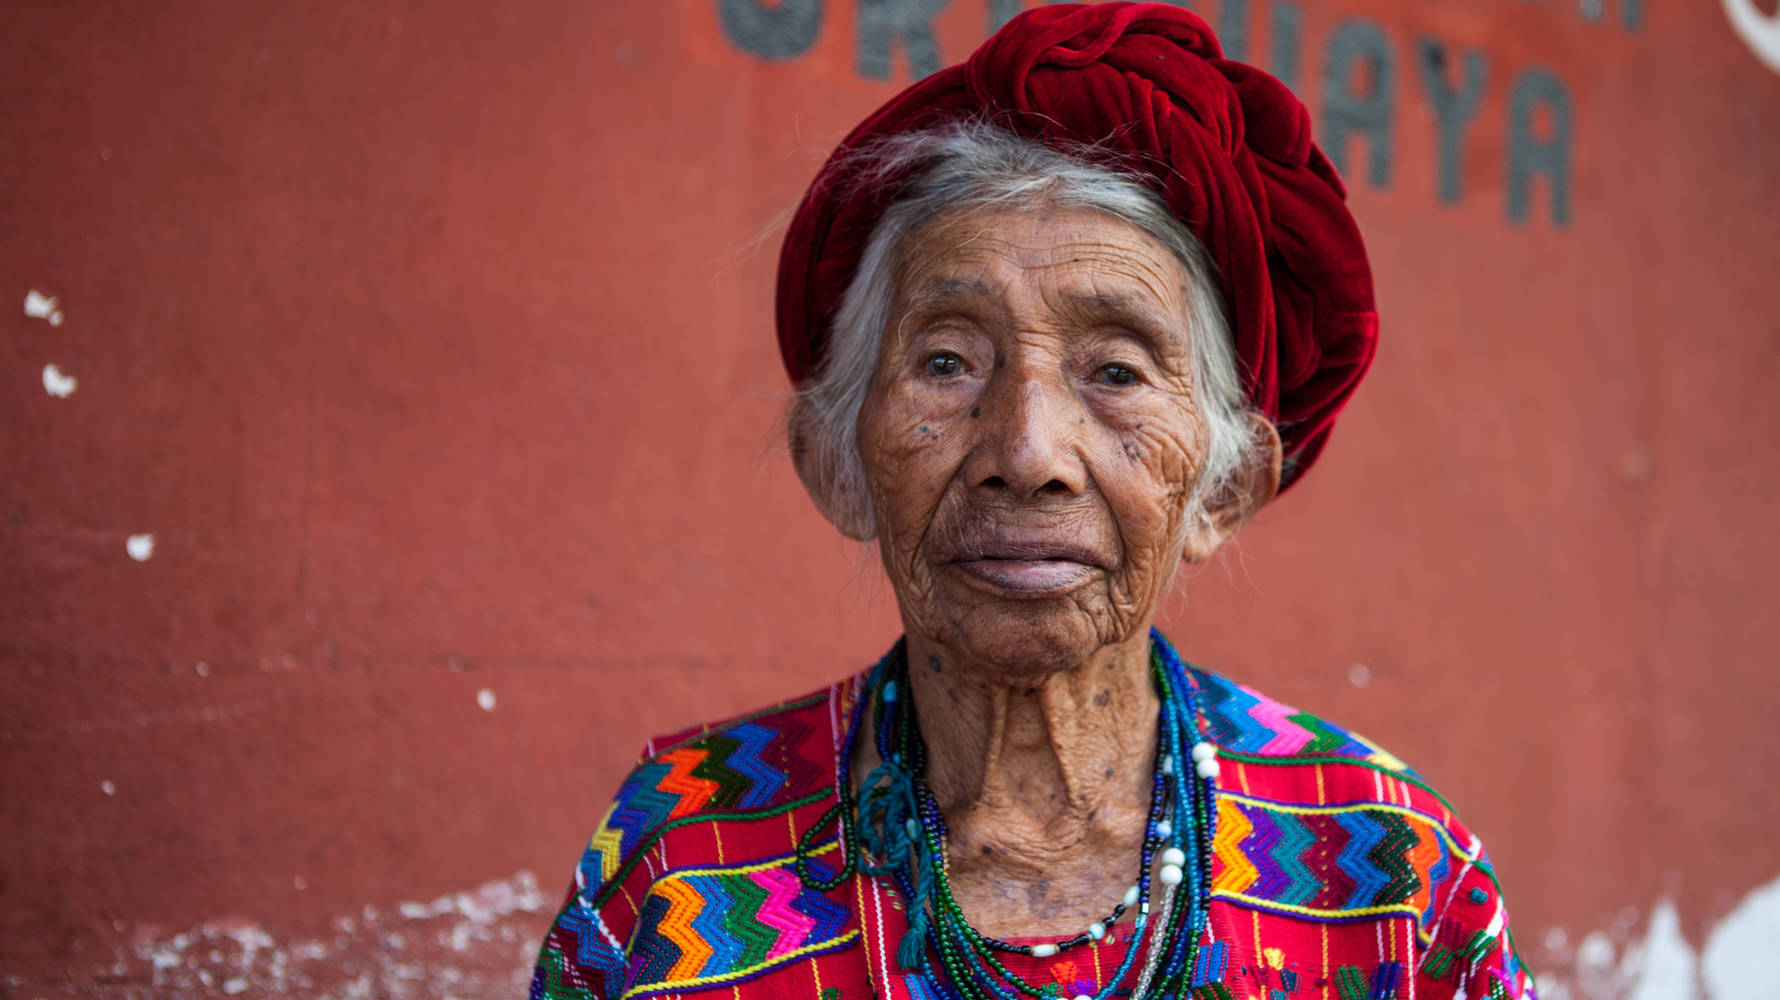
[{"x": 1037, "y": 770}]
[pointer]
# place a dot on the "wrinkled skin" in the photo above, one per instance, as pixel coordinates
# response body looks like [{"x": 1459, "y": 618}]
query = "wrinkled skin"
[{"x": 1031, "y": 439}]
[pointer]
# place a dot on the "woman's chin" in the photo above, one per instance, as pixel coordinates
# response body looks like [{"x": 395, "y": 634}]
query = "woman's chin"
[{"x": 1028, "y": 638}]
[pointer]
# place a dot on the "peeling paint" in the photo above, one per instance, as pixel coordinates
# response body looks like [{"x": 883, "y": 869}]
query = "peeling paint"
[
  {"x": 485, "y": 698},
  {"x": 1742, "y": 957},
  {"x": 140, "y": 547},
  {"x": 476, "y": 943},
  {"x": 1738, "y": 962},
  {"x": 57, "y": 382},
  {"x": 1666, "y": 967}
]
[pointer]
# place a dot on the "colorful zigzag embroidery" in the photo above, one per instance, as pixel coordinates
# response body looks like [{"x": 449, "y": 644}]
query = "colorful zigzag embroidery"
[
  {"x": 1333, "y": 862},
  {"x": 738, "y": 769},
  {"x": 707, "y": 927},
  {"x": 578, "y": 941}
]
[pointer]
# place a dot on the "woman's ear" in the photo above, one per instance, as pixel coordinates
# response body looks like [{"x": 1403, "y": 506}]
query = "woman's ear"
[
  {"x": 844, "y": 504},
  {"x": 1252, "y": 487}
]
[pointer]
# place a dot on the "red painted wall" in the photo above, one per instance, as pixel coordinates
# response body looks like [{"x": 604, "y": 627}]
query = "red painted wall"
[{"x": 432, "y": 344}]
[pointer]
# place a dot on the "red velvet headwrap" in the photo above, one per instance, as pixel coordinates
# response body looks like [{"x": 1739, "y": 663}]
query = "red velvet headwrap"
[{"x": 1227, "y": 146}]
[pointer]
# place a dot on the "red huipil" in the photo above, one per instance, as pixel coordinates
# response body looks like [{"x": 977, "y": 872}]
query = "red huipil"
[{"x": 1337, "y": 874}]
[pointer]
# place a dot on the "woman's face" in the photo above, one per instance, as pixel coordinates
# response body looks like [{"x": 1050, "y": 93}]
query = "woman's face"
[{"x": 1033, "y": 434}]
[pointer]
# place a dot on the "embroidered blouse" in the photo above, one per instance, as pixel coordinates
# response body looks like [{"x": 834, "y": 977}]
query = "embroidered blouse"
[{"x": 1337, "y": 874}]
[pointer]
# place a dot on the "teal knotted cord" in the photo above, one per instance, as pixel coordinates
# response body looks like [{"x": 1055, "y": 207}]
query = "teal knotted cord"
[{"x": 889, "y": 830}]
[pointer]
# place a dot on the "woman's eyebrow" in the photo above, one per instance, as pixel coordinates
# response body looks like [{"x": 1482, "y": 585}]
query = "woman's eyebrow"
[
  {"x": 1113, "y": 304},
  {"x": 1142, "y": 315},
  {"x": 940, "y": 291}
]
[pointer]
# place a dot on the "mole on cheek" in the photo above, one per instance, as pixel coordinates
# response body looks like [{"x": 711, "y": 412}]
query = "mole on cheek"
[
  {"x": 1131, "y": 451},
  {"x": 977, "y": 411}
]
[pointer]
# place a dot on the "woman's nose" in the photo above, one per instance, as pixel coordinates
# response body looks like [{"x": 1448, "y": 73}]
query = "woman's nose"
[{"x": 1029, "y": 439}]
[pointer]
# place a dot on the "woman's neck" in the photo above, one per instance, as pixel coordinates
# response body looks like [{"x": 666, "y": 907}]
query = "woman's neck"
[{"x": 1044, "y": 782}]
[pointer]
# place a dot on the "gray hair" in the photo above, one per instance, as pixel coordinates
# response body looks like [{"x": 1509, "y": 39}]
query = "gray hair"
[{"x": 972, "y": 165}]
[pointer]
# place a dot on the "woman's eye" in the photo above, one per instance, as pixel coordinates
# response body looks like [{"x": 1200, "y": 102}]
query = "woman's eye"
[
  {"x": 945, "y": 364},
  {"x": 1116, "y": 375}
]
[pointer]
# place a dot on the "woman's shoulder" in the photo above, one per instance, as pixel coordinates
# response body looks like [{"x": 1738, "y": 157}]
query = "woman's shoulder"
[
  {"x": 758, "y": 764},
  {"x": 1317, "y": 823},
  {"x": 1286, "y": 764},
  {"x": 1281, "y": 747},
  {"x": 694, "y": 877}
]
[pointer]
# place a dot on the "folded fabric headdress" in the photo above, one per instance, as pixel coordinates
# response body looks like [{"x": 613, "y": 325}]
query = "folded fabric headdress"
[{"x": 1227, "y": 146}]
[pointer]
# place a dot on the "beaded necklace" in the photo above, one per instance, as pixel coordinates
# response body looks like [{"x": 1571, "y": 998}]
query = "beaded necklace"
[{"x": 894, "y": 829}]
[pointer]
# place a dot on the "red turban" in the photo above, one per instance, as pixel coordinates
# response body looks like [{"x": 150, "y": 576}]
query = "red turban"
[{"x": 1227, "y": 146}]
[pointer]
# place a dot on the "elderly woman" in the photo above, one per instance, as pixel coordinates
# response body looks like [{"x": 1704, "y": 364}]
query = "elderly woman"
[{"x": 1061, "y": 319}]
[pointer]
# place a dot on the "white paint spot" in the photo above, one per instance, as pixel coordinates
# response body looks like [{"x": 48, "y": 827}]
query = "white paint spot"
[
  {"x": 1759, "y": 31},
  {"x": 40, "y": 306},
  {"x": 202, "y": 668},
  {"x": 107, "y": 787},
  {"x": 140, "y": 547},
  {"x": 1359, "y": 675},
  {"x": 1740, "y": 958},
  {"x": 57, "y": 383},
  {"x": 1665, "y": 967},
  {"x": 485, "y": 698}
]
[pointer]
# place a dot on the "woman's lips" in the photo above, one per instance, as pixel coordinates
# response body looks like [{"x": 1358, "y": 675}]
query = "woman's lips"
[
  {"x": 1026, "y": 577},
  {"x": 1028, "y": 567}
]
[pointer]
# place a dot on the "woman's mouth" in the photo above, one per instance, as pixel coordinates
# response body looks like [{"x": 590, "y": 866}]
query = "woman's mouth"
[{"x": 1027, "y": 568}]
